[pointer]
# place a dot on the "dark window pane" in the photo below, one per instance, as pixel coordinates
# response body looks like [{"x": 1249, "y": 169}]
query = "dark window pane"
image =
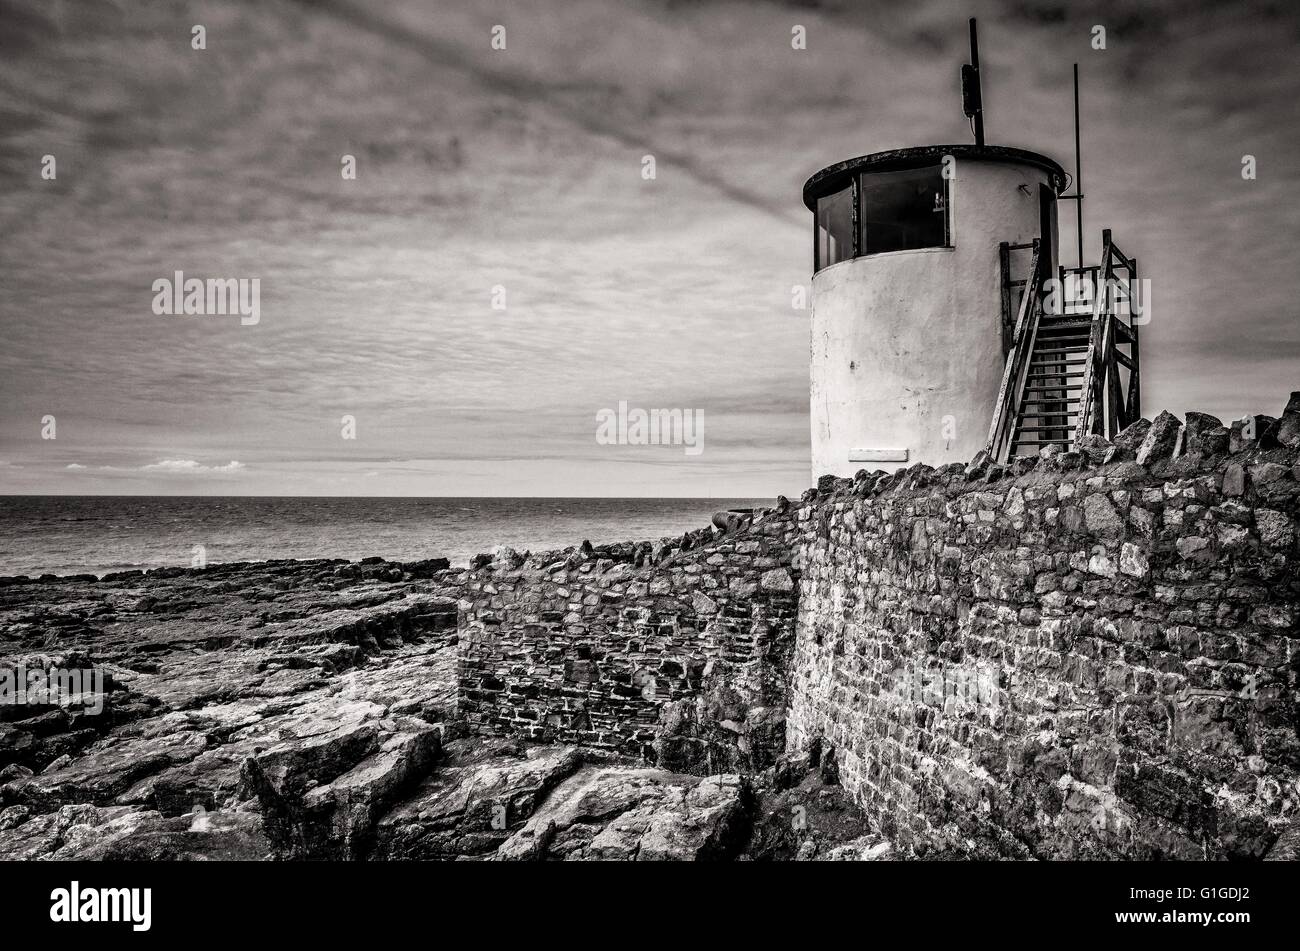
[
  {"x": 902, "y": 210},
  {"x": 835, "y": 228}
]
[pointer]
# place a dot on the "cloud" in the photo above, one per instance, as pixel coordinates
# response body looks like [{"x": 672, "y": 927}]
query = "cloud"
[
  {"x": 190, "y": 466},
  {"x": 75, "y": 465},
  {"x": 522, "y": 168}
]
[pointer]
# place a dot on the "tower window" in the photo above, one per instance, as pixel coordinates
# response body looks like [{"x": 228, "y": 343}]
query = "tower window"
[
  {"x": 902, "y": 210},
  {"x": 834, "y": 228}
]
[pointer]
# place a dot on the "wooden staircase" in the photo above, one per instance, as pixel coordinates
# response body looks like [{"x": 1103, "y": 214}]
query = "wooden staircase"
[
  {"x": 1053, "y": 390},
  {"x": 1070, "y": 372}
]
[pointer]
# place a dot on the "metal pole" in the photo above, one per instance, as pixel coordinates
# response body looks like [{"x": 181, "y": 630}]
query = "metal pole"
[
  {"x": 1078, "y": 168},
  {"x": 975, "y": 65}
]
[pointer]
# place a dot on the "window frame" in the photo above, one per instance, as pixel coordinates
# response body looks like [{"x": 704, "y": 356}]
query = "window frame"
[
  {"x": 855, "y": 184},
  {"x": 852, "y": 189}
]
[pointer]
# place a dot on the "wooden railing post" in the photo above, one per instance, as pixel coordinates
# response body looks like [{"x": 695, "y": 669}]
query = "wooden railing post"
[
  {"x": 1094, "y": 368},
  {"x": 1008, "y": 327},
  {"x": 1134, "y": 374},
  {"x": 1013, "y": 373}
]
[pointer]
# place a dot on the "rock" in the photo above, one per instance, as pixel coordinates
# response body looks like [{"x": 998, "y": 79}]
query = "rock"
[
  {"x": 976, "y": 468},
  {"x": 1204, "y": 435},
  {"x": 1288, "y": 427},
  {"x": 778, "y": 579},
  {"x": 729, "y": 522},
  {"x": 1160, "y": 441},
  {"x": 631, "y": 814},
  {"x": 1100, "y": 517},
  {"x": 1275, "y": 528},
  {"x": 1287, "y": 846},
  {"x": 1241, "y": 434},
  {"x": 480, "y": 792},
  {"x": 701, "y": 603},
  {"x": 1130, "y": 440},
  {"x": 1234, "y": 480},
  {"x": 807, "y": 820},
  {"x": 867, "y": 848},
  {"x": 323, "y": 787},
  {"x": 105, "y": 771},
  {"x": 120, "y": 833},
  {"x": 14, "y": 771},
  {"x": 1096, "y": 449},
  {"x": 506, "y": 557},
  {"x": 1194, "y": 548},
  {"x": 1133, "y": 562}
]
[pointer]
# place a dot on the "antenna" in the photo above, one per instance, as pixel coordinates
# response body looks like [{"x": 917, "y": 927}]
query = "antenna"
[
  {"x": 972, "y": 99},
  {"x": 1077, "y": 197}
]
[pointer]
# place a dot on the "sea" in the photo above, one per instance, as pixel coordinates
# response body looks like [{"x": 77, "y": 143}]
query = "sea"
[{"x": 61, "y": 534}]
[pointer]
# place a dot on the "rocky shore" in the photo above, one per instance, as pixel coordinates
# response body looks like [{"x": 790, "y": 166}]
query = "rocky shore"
[{"x": 307, "y": 710}]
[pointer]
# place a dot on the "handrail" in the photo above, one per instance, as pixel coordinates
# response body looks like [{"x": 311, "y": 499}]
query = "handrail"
[
  {"x": 1017, "y": 365},
  {"x": 1099, "y": 341}
]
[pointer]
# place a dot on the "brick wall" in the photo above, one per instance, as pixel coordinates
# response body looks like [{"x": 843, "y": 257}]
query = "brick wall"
[
  {"x": 1092, "y": 654},
  {"x": 677, "y": 652}
]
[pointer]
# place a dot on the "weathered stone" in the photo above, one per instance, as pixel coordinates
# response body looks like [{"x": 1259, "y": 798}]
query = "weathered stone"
[
  {"x": 1101, "y": 518},
  {"x": 1288, "y": 428},
  {"x": 1161, "y": 439},
  {"x": 1130, "y": 440},
  {"x": 1234, "y": 480},
  {"x": 624, "y": 814},
  {"x": 1204, "y": 435},
  {"x": 478, "y": 795},
  {"x": 1095, "y": 448},
  {"x": 778, "y": 579},
  {"x": 1094, "y": 645},
  {"x": 1275, "y": 528},
  {"x": 1133, "y": 562}
]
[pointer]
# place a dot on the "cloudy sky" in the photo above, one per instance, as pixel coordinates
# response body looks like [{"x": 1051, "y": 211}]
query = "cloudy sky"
[{"x": 521, "y": 168}]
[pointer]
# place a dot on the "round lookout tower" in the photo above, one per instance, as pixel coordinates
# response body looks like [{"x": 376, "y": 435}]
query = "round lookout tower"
[{"x": 920, "y": 260}]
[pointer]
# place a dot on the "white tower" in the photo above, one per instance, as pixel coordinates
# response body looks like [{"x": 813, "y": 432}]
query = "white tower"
[{"x": 914, "y": 292}]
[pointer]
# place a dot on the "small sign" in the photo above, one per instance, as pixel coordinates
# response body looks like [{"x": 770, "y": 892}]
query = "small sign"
[{"x": 877, "y": 455}]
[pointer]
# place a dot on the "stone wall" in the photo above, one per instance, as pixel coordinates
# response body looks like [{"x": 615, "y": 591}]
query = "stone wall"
[
  {"x": 677, "y": 652},
  {"x": 1090, "y": 654}
]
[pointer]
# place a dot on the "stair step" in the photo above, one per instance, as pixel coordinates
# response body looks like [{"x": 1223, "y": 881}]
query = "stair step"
[
  {"x": 1044, "y": 429},
  {"x": 1037, "y": 387}
]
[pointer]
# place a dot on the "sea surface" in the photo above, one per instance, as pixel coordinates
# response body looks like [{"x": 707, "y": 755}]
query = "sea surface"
[{"x": 97, "y": 534}]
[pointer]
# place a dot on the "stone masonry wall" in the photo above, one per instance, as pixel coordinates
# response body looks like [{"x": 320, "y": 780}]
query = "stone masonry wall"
[
  {"x": 1089, "y": 654},
  {"x": 676, "y": 652}
]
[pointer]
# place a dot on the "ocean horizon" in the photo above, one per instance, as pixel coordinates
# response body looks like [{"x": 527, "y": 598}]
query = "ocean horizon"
[{"x": 97, "y": 534}]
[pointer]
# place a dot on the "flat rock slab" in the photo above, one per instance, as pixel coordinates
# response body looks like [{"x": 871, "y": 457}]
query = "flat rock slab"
[
  {"x": 478, "y": 794},
  {"x": 625, "y": 813}
]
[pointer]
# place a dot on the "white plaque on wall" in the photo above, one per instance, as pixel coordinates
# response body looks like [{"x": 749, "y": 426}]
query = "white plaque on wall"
[{"x": 877, "y": 455}]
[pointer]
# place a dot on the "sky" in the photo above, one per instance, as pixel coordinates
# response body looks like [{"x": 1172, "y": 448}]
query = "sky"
[{"x": 516, "y": 175}]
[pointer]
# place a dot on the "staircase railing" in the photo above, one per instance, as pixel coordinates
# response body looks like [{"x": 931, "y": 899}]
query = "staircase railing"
[
  {"x": 1005, "y": 412},
  {"x": 1104, "y": 407}
]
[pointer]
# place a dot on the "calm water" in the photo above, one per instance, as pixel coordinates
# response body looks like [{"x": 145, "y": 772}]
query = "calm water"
[{"x": 75, "y": 534}]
